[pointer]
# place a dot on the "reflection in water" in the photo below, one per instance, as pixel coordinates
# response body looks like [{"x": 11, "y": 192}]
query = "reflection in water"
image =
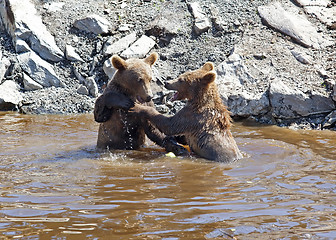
[{"x": 54, "y": 184}]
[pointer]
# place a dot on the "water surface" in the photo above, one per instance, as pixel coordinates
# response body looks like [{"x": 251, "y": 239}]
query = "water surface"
[{"x": 54, "y": 184}]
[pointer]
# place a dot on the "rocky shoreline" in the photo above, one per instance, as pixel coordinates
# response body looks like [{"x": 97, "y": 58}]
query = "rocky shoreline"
[{"x": 275, "y": 60}]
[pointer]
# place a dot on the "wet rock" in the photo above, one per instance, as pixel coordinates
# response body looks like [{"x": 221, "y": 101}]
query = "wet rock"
[
  {"x": 38, "y": 69},
  {"x": 22, "y": 22},
  {"x": 10, "y": 97},
  {"x": 29, "y": 84},
  {"x": 93, "y": 24},
  {"x": 302, "y": 57},
  {"x": 293, "y": 25},
  {"x": 111, "y": 47},
  {"x": 83, "y": 90},
  {"x": 71, "y": 54},
  {"x": 202, "y": 23},
  {"x": 140, "y": 48},
  {"x": 238, "y": 89},
  {"x": 4, "y": 65},
  {"x": 287, "y": 102}
]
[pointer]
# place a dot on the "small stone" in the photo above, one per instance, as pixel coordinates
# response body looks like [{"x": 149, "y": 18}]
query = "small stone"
[
  {"x": 53, "y": 6},
  {"x": 82, "y": 90},
  {"x": 202, "y": 23},
  {"x": 302, "y": 57},
  {"x": 140, "y": 48},
  {"x": 29, "y": 84},
  {"x": 321, "y": 71},
  {"x": 93, "y": 24},
  {"x": 71, "y": 54},
  {"x": 124, "y": 27}
]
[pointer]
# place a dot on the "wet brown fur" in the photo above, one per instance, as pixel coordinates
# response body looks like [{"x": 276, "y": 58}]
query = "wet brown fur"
[{"x": 205, "y": 120}]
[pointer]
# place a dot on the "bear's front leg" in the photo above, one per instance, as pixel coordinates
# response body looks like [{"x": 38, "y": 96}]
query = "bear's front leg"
[{"x": 107, "y": 101}]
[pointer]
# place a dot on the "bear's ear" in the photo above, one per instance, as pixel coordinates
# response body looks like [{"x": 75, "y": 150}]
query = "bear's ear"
[
  {"x": 208, "y": 66},
  {"x": 118, "y": 62},
  {"x": 208, "y": 78},
  {"x": 151, "y": 59}
]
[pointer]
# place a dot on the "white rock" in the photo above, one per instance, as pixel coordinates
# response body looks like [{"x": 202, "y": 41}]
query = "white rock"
[
  {"x": 24, "y": 23},
  {"x": 53, "y": 6},
  {"x": 29, "y": 84},
  {"x": 120, "y": 45},
  {"x": 91, "y": 85},
  {"x": 10, "y": 96},
  {"x": 202, "y": 23},
  {"x": 140, "y": 48},
  {"x": 324, "y": 14},
  {"x": 94, "y": 24},
  {"x": 303, "y": 3},
  {"x": 108, "y": 68},
  {"x": 38, "y": 69},
  {"x": 293, "y": 25},
  {"x": 4, "y": 65},
  {"x": 71, "y": 54}
]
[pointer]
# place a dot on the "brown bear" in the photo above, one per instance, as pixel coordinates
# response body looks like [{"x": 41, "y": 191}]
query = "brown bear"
[
  {"x": 120, "y": 129},
  {"x": 204, "y": 121}
]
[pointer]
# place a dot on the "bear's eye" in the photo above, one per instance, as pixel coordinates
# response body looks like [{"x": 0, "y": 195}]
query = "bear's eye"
[{"x": 140, "y": 80}]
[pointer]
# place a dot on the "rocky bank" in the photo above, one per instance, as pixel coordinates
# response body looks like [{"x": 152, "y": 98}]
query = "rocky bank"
[{"x": 275, "y": 60}]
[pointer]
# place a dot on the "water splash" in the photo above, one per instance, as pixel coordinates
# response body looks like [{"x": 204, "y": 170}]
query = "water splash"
[{"x": 123, "y": 117}]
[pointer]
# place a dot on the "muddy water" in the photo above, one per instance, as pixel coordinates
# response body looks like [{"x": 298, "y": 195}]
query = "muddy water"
[{"x": 54, "y": 184}]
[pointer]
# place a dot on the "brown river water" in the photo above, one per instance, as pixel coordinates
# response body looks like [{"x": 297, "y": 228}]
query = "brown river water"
[{"x": 55, "y": 185}]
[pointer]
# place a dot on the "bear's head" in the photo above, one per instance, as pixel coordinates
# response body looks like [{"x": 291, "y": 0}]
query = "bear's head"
[
  {"x": 192, "y": 84},
  {"x": 134, "y": 76}
]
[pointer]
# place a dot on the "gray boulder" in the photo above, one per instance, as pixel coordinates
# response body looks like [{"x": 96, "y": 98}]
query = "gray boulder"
[
  {"x": 38, "y": 69},
  {"x": 296, "y": 26},
  {"x": 22, "y": 22},
  {"x": 10, "y": 97},
  {"x": 93, "y": 24},
  {"x": 238, "y": 89},
  {"x": 287, "y": 102}
]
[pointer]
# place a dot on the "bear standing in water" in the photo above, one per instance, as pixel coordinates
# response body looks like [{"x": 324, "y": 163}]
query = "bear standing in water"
[
  {"x": 120, "y": 129},
  {"x": 204, "y": 121}
]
